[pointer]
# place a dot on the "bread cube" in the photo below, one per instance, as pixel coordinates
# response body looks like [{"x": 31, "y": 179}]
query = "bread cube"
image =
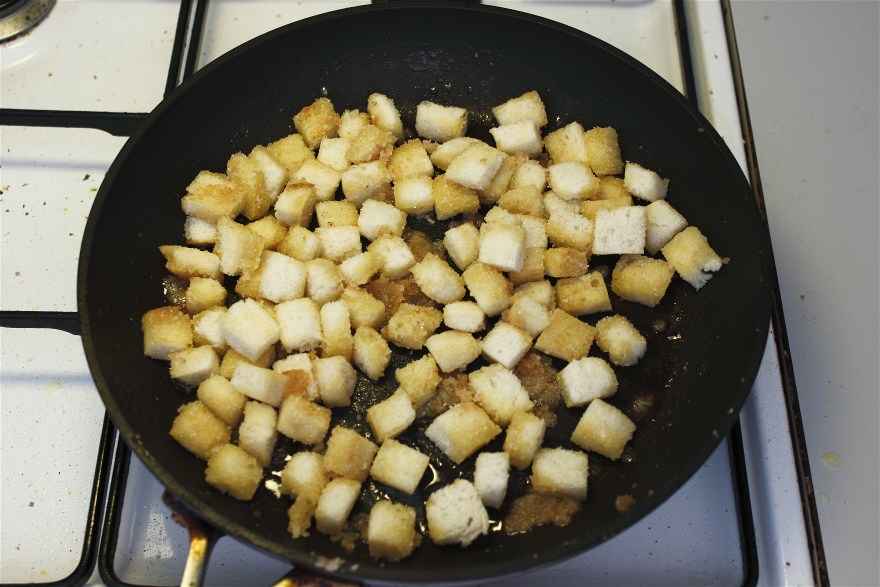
[
  {"x": 301, "y": 244},
  {"x": 304, "y": 475},
  {"x": 219, "y": 396},
  {"x": 336, "y": 213},
  {"x": 612, "y": 188},
  {"x": 506, "y": 344},
  {"x": 359, "y": 269},
  {"x": 410, "y": 160},
  {"x": 438, "y": 280},
  {"x": 397, "y": 258},
  {"x": 641, "y": 279},
  {"x": 664, "y": 222},
  {"x": 371, "y": 143},
  {"x": 463, "y": 244},
  {"x": 449, "y": 150},
  {"x": 300, "y": 373},
  {"x": 198, "y": 430},
  {"x": 589, "y": 208},
  {"x": 364, "y": 181},
  {"x": 317, "y": 121},
  {"x": 335, "y": 378},
  {"x": 199, "y": 232},
  {"x": 257, "y": 433},
  {"x": 302, "y": 420},
  {"x": 528, "y": 314},
  {"x": 339, "y": 242},
  {"x": 324, "y": 281},
  {"x": 336, "y": 326},
  {"x": 232, "y": 359},
  {"x": 391, "y": 416},
  {"x": 530, "y": 174},
  {"x": 191, "y": 366},
  {"x": 399, "y": 466},
  {"x": 299, "y": 516},
  {"x": 603, "y": 151},
  {"x": 488, "y": 287},
  {"x": 335, "y": 505},
  {"x": 559, "y": 471},
  {"x": 691, "y": 256},
  {"x": 583, "y": 295},
  {"x": 586, "y": 379},
  {"x": 274, "y": 173},
  {"x": 501, "y": 182},
  {"x": 526, "y": 107},
  {"x": 419, "y": 380},
  {"x": 352, "y": 122},
  {"x": 453, "y": 349},
  {"x": 464, "y": 316},
  {"x": 603, "y": 429},
  {"x": 535, "y": 230},
  {"x": 571, "y": 230},
  {"x": 281, "y": 277},
  {"x": 291, "y": 152},
  {"x": 455, "y": 514},
  {"x": 248, "y": 176},
  {"x": 572, "y": 180},
  {"x": 391, "y": 530},
  {"x": 414, "y": 195},
  {"x": 323, "y": 178},
  {"x": 499, "y": 392},
  {"x": 233, "y": 471},
  {"x": 462, "y": 430},
  {"x": 349, "y": 454},
  {"x": 371, "y": 352},
  {"x": 620, "y": 231},
  {"x": 363, "y": 308},
  {"x": 518, "y": 137},
  {"x": 502, "y": 246},
  {"x": 211, "y": 196},
  {"x": 532, "y": 268},
  {"x": 295, "y": 204},
  {"x": 490, "y": 477},
  {"x": 644, "y": 183},
  {"x": 440, "y": 123},
  {"x": 259, "y": 383},
  {"x": 540, "y": 291},
  {"x": 166, "y": 330},
  {"x": 553, "y": 204},
  {"x": 524, "y": 437},
  {"x": 250, "y": 329},
  {"x": 565, "y": 262},
  {"x": 189, "y": 262},
  {"x": 476, "y": 166},
  {"x": 270, "y": 230},
  {"x": 411, "y": 325},
  {"x": 300, "y": 325},
  {"x": 238, "y": 248},
  {"x": 334, "y": 153},
  {"x": 567, "y": 144},
  {"x": 378, "y": 218},
  {"x": 525, "y": 200},
  {"x": 619, "y": 338},
  {"x": 451, "y": 199},
  {"x": 384, "y": 113},
  {"x": 566, "y": 337}
]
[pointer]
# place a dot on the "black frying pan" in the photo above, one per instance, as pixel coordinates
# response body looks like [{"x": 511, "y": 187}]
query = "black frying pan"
[{"x": 684, "y": 395}]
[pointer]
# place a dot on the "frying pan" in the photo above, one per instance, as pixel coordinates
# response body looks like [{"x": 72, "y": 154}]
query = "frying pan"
[{"x": 703, "y": 348}]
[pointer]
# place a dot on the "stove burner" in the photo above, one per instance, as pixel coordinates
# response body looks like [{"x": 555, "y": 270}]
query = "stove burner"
[{"x": 19, "y": 16}]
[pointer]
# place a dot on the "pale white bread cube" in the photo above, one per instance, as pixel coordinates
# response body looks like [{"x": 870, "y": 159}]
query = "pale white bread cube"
[
  {"x": 274, "y": 174},
  {"x": 353, "y": 122},
  {"x": 518, "y": 137},
  {"x": 361, "y": 268},
  {"x": 282, "y": 278},
  {"x": 562, "y": 472},
  {"x": 198, "y": 430},
  {"x": 290, "y": 151},
  {"x": 620, "y": 231},
  {"x": 324, "y": 282},
  {"x": 270, "y": 229},
  {"x": 462, "y": 430},
  {"x": 299, "y": 516},
  {"x": 540, "y": 291},
  {"x": 226, "y": 402},
  {"x": 239, "y": 249},
  {"x": 523, "y": 438},
  {"x": 411, "y": 325},
  {"x": 364, "y": 181},
  {"x": 371, "y": 144},
  {"x": 617, "y": 336},
  {"x": 199, "y": 232},
  {"x": 456, "y": 514},
  {"x": 532, "y": 268},
  {"x": 568, "y": 143},
  {"x": 384, "y": 113},
  {"x": 476, "y": 166},
  {"x": 380, "y": 218},
  {"x": 295, "y": 204},
  {"x": 499, "y": 391},
  {"x": 641, "y": 279},
  {"x": 560, "y": 262},
  {"x": 664, "y": 222},
  {"x": 302, "y": 420},
  {"x": 553, "y": 204},
  {"x": 250, "y": 329},
  {"x": 233, "y": 471},
  {"x": 528, "y": 107},
  {"x": 419, "y": 379},
  {"x": 410, "y": 160},
  {"x": 438, "y": 280},
  {"x": 189, "y": 262},
  {"x": 391, "y": 530},
  {"x": 397, "y": 258},
  {"x": 535, "y": 231},
  {"x": 643, "y": 183},
  {"x": 335, "y": 504},
  {"x": 257, "y": 434},
  {"x": 528, "y": 314},
  {"x": 304, "y": 475},
  {"x": 300, "y": 325},
  {"x": 462, "y": 243},
  {"x": 445, "y": 153},
  {"x": 491, "y": 474},
  {"x": 339, "y": 242},
  {"x": 414, "y": 195},
  {"x": 316, "y": 121},
  {"x": 349, "y": 454},
  {"x": 399, "y": 466},
  {"x": 499, "y": 215},
  {"x": 336, "y": 213},
  {"x": 440, "y": 123},
  {"x": 334, "y": 153},
  {"x": 371, "y": 352},
  {"x": 502, "y": 245},
  {"x": 587, "y": 379},
  {"x": 464, "y": 316},
  {"x": 391, "y": 416},
  {"x": 603, "y": 151},
  {"x": 572, "y": 180},
  {"x": 300, "y": 374},
  {"x": 692, "y": 257},
  {"x": 166, "y": 330},
  {"x": 603, "y": 429},
  {"x": 322, "y": 177},
  {"x": 488, "y": 287},
  {"x": 363, "y": 308},
  {"x": 453, "y": 349},
  {"x": 193, "y": 365},
  {"x": 506, "y": 344},
  {"x": 335, "y": 379},
  {"x": 336, "y": 326},
  {"x": 530, "y": 174},
  {"x": 501, "y": 182},
  {"x": 211, "y": 196},
  {"x": 259, "y": 383}
]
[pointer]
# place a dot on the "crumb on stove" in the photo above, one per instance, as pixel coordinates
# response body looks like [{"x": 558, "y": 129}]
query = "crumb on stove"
[
  {"x": 539, "y": 378},
  {"x": 534, "y": 509},
  {"x": 623, "y": 503}
]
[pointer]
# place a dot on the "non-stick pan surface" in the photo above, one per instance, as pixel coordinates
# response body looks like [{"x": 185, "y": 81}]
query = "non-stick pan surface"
[{"x": 684, "y": 395}]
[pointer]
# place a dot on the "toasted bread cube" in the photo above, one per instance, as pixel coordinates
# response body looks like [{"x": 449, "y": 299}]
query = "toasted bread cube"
[
  {"x": 565, "y": 262},
  {"x": 462, "y": 243},
  {"x": 603, "y": 151},
  {"x": 391, "y": 530},
  {"x": 198, "y": 430},
  {"x": 302, "y": 420},
  {"x": 462, "y": 430},
  {"x": 540, "y": 291},
  {"x": 323, "y": 281},
  {"x": 566, "y": 337},
  {"x": 664, "y": 222},
  {"x": 449, "y": 150},
  {"x": 323, "y": 178},
  {"x": 490, "y": 477},
  {"x": 282, "y": 278},
  {"x": 438, "y": 280},
  {"x": 399, "y": 466},
  {"x": 334, "y": 153},
  {"x": 501, "y": 182},
  {"x": 299, "y": 516},
  {"x": 304, "y": 475},
  {"x": 488, "y": 287},
  {"x": 189, "y": 262},
  {"x": 250, "y": 329},
  {"x": 440, "y": 123},
  {"x": 301, "y": 244},
  {"x": 378, "y": 218},
  {"x": 247, "y": 174},
  {"x": 384, "y": 113},
  {"x": 644, "y": 183},
  {"x": 410, "y": 160},
  {"x": 532, "y": 268},
  {"x": 199, "y": 232},
  {"x": 397, "y": 258},
  {"x": 363, "y": 308},
  {"x": 238, "y": 248},
  {"x": 335, "y": 379},
  {"x": 530, "y": 174},
  {"x": 359, "y": 269},
  {"x": 641, "y": 279},
  {"x": 419, "y": 380},
  {"x": 559, "y": 471},
  {"x": 528, "y": 314},
  {"x": 352, "y": 122},
  {"x": 232, "y": 470},
  {"x": 295, "y": 204},
  {"x": 524, "y": 437},
  {"x": 518, "y": 137},
  {"x": 300, "y": 373},
  {"x": 620, "y": 231},
  {"x": 300, "y": 325},
  {"x": 587, "y": 379},
  {"x": 524, "y": 200},
  {"x": 365, "y": 181},
  {"x": 336, "y": 213},
  {"x": 553, "y": 204},
  {"x": 499, "y": 392},
  {"x": 226, "y": 402},
  {"x": 535, "y": 230},
  {"x": 589, "y": 208},
  {"x": 259, "y": 383},
  {"x": 211, "y": 196},
  {"x": 335, "y": 504},
  {"x": 411, "y": 325},
  {"x": 257, "y": 433},
  {"x": 291, "y": 152},
  {"x": 371, "y": 352},
  {"x": 317, "y": 121},
  {"x": 456, "y": 515},
  {"x": 502, "y": 246},
  {"x": 193, "y": 365},
  {"x": 270, "y": 230},
  {"x": 391, "y": 416},
  {"x": 349, "y": 454},
  {"x": 565, "y": 229},
  {"x": 232, "y": 359},
  {"x": 526, "y": 107},
  {"x": 692, "y": 257},
  {"x": 567, "y": 144},
  {"x": 603, "y": 429},
  {"x": 453, "y": 349},
  {"x": 619, "y": 338},
  {"x": 583, "y": 295},
  {"x": 339, "y": 242},
  {"x": 464, "y": 316},
  {"x": 274, "y": 174},
  {"x": 371, "y": 143},
  {"x": 476, "y": 166},
  {"x": 336, "y": 326},
  {"x": 613, "y": 188},
  {"x": 572, "y": 180},
  {"x": 451, "y": 199},
  {"x": 506, "y": 344},
  {"x": 166, "y": 330},
  {"x": 414, "y": 195}
]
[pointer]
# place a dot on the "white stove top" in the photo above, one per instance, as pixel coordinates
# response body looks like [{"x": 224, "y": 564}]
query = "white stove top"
[{"x": 113, "y": 56}]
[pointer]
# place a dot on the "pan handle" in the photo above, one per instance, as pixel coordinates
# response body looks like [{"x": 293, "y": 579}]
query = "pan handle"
[{"x": 66, "y": 321}]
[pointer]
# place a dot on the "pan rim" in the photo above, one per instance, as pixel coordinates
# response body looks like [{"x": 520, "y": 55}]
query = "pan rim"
[{"x": 491, "y": 568}]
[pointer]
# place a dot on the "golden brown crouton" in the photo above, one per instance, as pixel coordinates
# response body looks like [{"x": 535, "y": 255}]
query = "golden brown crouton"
[
  {"x": 316, "y": 121},
  {"x": 566, "y": 337}
]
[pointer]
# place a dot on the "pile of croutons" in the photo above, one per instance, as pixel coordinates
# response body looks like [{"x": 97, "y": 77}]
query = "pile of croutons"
[{"x": 287, "y": 353}]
